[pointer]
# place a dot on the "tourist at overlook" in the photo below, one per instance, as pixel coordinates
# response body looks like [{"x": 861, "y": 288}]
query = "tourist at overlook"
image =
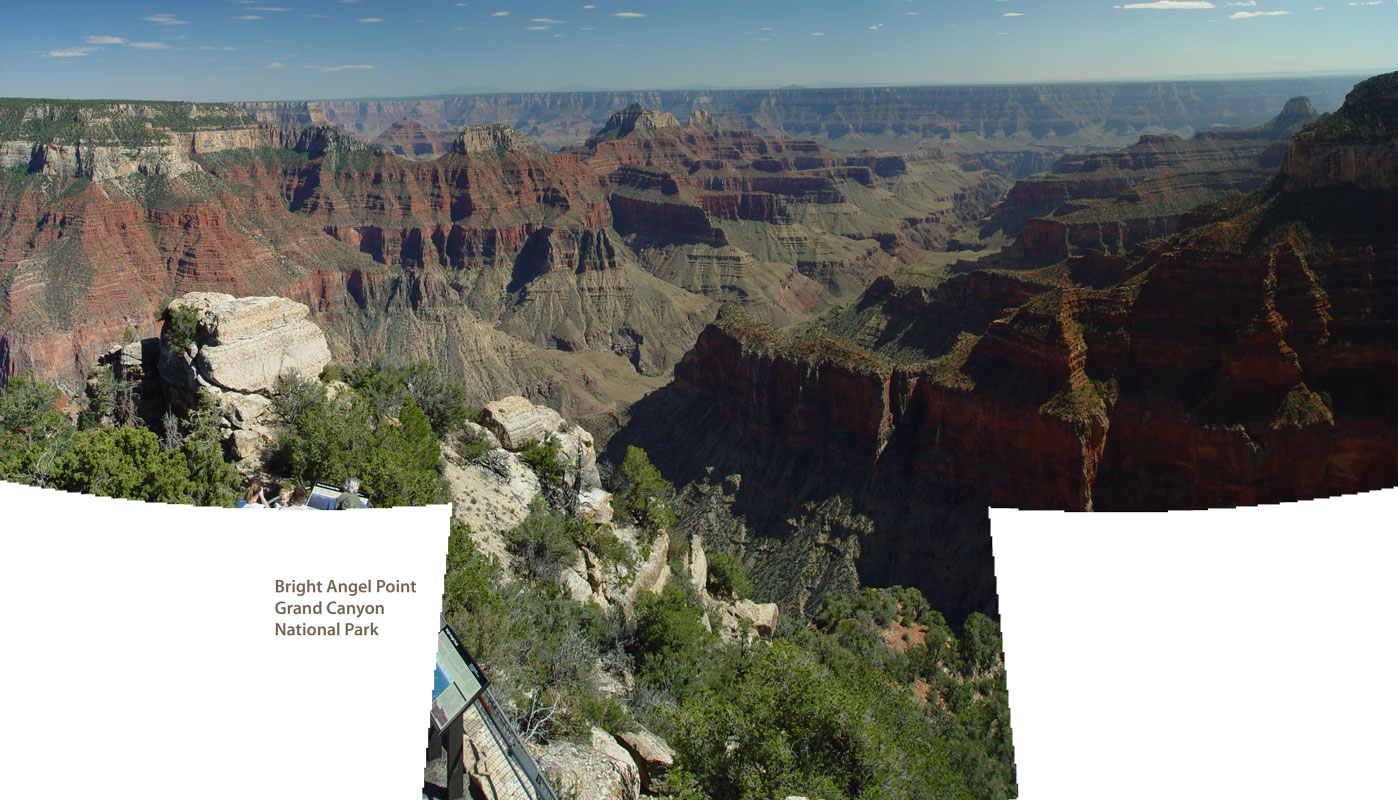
[
  {"x": 350, "y": 497},
  {"x": 283, "y": 498},
  {"x": 253, "y": 497},
  {"x": 298, "y": 500}
]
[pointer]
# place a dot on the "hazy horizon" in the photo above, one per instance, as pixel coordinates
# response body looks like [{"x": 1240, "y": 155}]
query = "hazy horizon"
[{"x": 357, "y": 49}]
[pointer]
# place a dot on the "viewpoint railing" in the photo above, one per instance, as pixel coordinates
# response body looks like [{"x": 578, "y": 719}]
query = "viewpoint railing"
[{"x": 458, "y": 687}]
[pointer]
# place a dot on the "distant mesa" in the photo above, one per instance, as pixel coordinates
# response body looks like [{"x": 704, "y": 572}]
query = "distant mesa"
[
  {"x": 491, "y": 139},
  {"x": 699, "y": 118},
  {"x": 635, "y": 120},
  {"x": 410, "y": 138},
  {"x": 1297, "y": 112}
]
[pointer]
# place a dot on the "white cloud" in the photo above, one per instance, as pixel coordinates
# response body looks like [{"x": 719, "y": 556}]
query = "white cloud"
[
  {"x": 275, "y": 65},
  {"x": 910, "y": 13},
  {"x": 1247, "y": 14},
  {"x": 371, "y": 19},
  {"x": 340, "y": 67},
  {"x": 500, "y": 14},
  {"x": 104, "y": 40},
  {"x": 268, "y": 8},
  {"x": 817, "y": 33},
  {"x": 1369, "y": 3},
  {"x": 548, "y": 21},
  {"x": 1243, "y": 3},
  {"x": 71, "y": 52},
  {"x": 165, "y": 19},
  {"x": 628, "y": 14},
  {"x": 589, "y": 6},
  {"x": 588, "y": 28},
  {"x": 875, "y": 27},
  {"x": 1013, "y": 14},
  {"x": 536, "y": 27},
  {"x": 247, "y": 16},
  {"x": 1170, "y": 4},
  {"x": 150, "y": 45}
]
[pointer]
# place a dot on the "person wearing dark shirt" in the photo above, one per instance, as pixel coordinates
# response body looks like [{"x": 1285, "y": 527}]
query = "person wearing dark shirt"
[{"x": 350, "y": 498}]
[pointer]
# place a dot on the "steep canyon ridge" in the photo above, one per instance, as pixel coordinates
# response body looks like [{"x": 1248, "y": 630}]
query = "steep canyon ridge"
[{"x": 1153, "y": 295}]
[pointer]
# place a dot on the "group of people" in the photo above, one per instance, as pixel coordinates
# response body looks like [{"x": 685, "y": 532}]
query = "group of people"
[{"x": 297, "y": 497}]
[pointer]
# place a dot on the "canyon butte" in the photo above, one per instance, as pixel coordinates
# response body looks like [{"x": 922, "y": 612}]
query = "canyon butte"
[{"x": 1079, "y": 297}]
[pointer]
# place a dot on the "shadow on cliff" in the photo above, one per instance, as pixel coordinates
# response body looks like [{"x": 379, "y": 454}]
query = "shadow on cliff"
[{"x": 809, "y": 524}]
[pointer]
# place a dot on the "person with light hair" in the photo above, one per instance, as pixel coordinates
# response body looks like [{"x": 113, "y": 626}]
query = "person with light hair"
[
  {"x": 253, "y": 497},
  {"x": 283, "y": 498},
  {"x": 350, "y": 498}
]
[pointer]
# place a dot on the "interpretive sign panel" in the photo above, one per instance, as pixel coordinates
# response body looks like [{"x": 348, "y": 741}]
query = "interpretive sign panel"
[{"x": 456, "y": 680}]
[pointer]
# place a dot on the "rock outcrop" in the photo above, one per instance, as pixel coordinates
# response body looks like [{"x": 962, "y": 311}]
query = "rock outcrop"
[
  {"x": 652, "y": 756},
  {"x": 246, "y": 343},
  {"x": 238, "y": 348},
  {"x": 515, "y": 422},
  {"x": 603, "y": 771}
]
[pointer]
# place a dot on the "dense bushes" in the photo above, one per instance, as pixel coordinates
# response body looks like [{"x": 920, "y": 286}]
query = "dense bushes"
[
  {"x": 386, "y": 388},
  {"x": 40, "y": 445},
  {"x": 789, "y": 725},
  {"x": 324, "y": 438}
]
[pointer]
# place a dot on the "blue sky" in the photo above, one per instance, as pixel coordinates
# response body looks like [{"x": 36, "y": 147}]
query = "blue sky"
[{"x": 288, "y": 49}]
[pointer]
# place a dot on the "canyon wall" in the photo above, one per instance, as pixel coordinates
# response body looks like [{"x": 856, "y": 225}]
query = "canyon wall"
[{"x": 854, "y": 118}]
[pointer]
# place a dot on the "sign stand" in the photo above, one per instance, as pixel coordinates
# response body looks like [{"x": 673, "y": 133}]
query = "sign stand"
[{"x": 457, "y": 685}]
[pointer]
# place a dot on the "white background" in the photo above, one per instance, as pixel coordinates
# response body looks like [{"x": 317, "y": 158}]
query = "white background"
[
  {"x": 139, "y": 659},
  {"x": 1202, "y": 654}
]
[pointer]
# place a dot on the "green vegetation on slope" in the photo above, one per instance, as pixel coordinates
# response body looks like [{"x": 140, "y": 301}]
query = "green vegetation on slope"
[
  {"x": 377, "y": 434},
  {"x": 129, "y": 123},
  {"x": 1370, "y": 108},
  {"x": 41, "y": 445}
]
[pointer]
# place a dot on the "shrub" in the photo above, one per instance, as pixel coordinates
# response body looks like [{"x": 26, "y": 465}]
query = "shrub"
[
  {"x": 471, "y": 448},
  {"x": 645, "y": 492},
  {"x": 181, "y": 326},
  {"x": 124, "y": 462},
  {"x": 980, "y": 641},
  {"x": 790, "y": 725},
  {"x": 728, "y": 576},
  {"x": 213, "y": 481},
  {"x": 543, "y": 459},
  {"x": 324, "y": 438},
  {"x": 671, "y": 646},
  {"x": 386, "y": 388},
  {"x": 542, "y": 544},
  {"x": 33, "y": 432},
  {"x": 604, "y": 544}
]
